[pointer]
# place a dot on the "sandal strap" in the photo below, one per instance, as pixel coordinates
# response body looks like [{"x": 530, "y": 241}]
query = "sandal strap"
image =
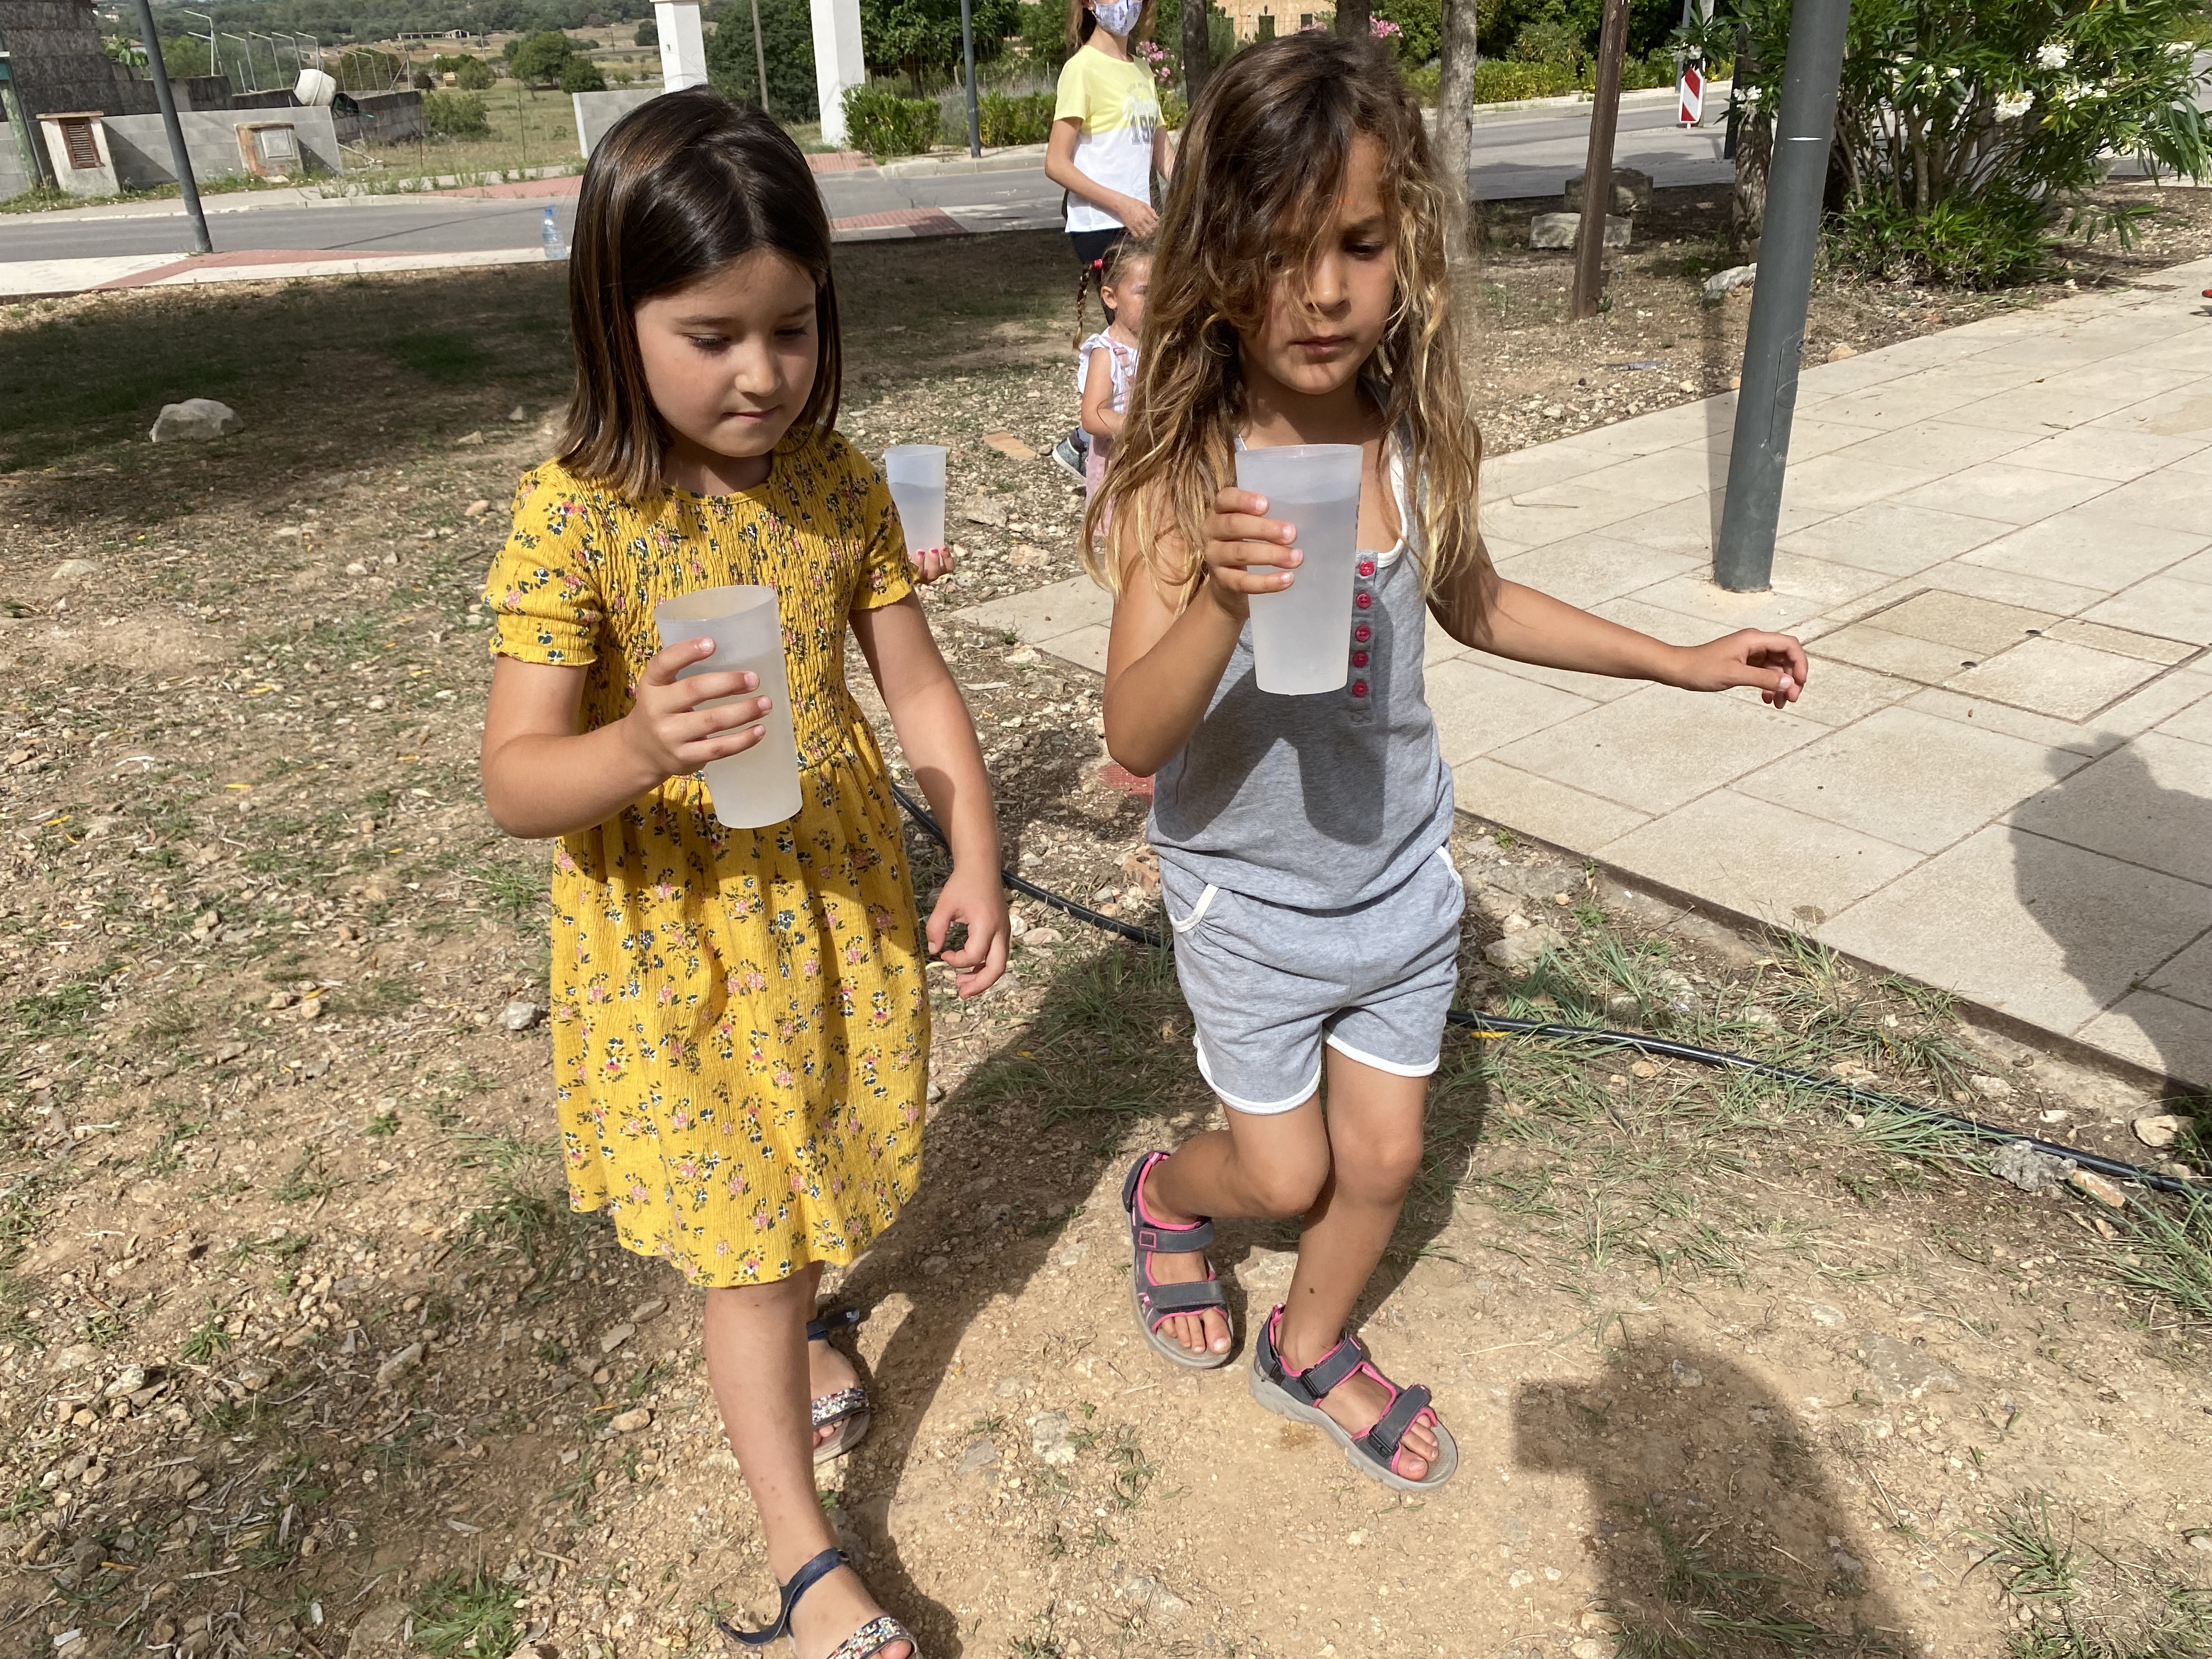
[
  {"x": 1322, "y": 1376},
  {"x": 800, "y": 1582},
  {"x": 828, "y": 1408},
  {"x": 872, "y": 1637},
  {"x": 1389, "y": 1433},
  {"x": 1152, "y": 1235},
  {"x": 817, "y": 1330},
  {"x": 1165, "y": 1301}
]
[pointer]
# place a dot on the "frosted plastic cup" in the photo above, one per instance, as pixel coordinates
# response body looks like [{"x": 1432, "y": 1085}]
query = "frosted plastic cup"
[
  {"x": 761, "y": 786},
  {"x": 916, "y": 475},
  {"x": 1302, "y": 635}
]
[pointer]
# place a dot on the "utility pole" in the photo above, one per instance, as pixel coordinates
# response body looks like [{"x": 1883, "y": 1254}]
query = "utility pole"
[
  {"x": 1597, "y": 171},
  {"x": 1788, "y": 243},
  {"x": 1197, "y": 48},
  {"x": 180, "y": 157},
  {"x": 967, "y": 57},
  {"x": 760, "y": 57}
]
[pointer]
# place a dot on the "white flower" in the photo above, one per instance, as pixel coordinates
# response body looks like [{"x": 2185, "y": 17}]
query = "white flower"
[
  {"x": 2071, "y": 92},
  {"x": 1954, "y": 73},
  {"x": 2055, "y": 55},
  {"x": 2012, "y": 106}
]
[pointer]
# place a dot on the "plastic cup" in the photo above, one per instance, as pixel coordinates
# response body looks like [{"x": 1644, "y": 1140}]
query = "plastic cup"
[
  {"x": 761, "y": 786},
  {"x": 1302, "y": 634},
  {"x": 916, "y": 475}
]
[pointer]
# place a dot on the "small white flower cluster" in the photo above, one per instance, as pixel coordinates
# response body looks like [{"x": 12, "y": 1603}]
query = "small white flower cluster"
[
  {"x": 2012, "y": 106},
  {"x": 2054, "y": 55}
]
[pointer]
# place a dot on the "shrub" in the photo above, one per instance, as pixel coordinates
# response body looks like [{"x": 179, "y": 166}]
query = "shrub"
[
  {"x": 1640, "y": 74},
  {"x": 582, "y": 74},
  {"x": 1007, "y": 120},
  {"x": 456, "y": 114},
  {"x": 649, "y": 34},
  {"x": 883, "y": 123},
  {"x": 1420, "y": 27},
  {"x": 1504, "y": 80},
  {"x": 472, "y": 73},
  {"x": 1968, "y": 130},
  {"x": 786, "y": 42},
  {"x": 539, "y": 59},
  {"x": 1426, "y": 83}
]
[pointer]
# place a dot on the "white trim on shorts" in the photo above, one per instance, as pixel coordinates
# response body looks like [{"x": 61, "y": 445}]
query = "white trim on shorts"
[
  {"x": 1380, "y": 1065},
  {"x": 1257, "y": 1109},
  {"x": 1197, "y": 911}
]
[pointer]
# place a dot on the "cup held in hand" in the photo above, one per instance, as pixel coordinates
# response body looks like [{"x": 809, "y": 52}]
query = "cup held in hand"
[
  {"x": 761, "y": 786},
  {"x": 1302, "y": 634},
  {"x": 915, "y": 473}
]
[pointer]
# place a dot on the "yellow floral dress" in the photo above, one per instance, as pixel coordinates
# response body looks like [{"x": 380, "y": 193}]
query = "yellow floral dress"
[{"x": 740, "y": 1027}]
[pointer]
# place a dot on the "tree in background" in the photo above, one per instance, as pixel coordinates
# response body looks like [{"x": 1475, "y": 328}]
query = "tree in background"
[
  {"x": 787, "y": 38},
  {"x": 540, "y": 58},
  {"x": 580, "y": 74},
  {"x": 1420, "y": 28},
  {"x": 1969, "y": 131},
  {"x": 921, "y": 39},
  {"x": 649, "y": 34}
]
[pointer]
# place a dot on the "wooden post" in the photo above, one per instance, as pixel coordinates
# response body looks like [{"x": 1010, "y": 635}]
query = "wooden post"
[
  {"x": 1197, "y": 48},
  {"x": 1597, "y": 171}
]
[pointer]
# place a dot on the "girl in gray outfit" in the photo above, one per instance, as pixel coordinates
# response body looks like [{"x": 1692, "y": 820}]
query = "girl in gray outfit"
[{"x": 1300, "y": 295}]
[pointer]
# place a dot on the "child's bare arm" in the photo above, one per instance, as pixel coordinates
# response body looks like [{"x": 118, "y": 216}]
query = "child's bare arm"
[
  {"x": 939, "y": 737},
  {"x": 1478, "y": 608},
  {"x": 543, "y": 777},
  {"x": 1100, "y": 418},
  {"x": 1162, "y": 665}
]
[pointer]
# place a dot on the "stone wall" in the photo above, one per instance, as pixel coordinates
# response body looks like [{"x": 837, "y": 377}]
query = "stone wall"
[
  {"x": 55, "y": 57},
  {"x": 141, "y": 147}
]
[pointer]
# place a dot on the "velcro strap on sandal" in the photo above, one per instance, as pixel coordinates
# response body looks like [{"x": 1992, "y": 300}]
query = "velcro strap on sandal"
[
  {"x": 1389, "y": 1430},
  {"x": 1173, "y": 1241},
  {"x": 1194, "y": 1296},
  {"x": 1331, "y": 1368}
]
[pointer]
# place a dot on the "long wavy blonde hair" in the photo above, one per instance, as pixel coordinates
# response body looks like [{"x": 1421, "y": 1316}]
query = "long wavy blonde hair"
[{"x": 1256, "y": 181}]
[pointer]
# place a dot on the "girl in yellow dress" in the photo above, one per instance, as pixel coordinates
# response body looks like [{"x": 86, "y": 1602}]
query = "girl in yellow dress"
[{"x": 740, "y": 1027}]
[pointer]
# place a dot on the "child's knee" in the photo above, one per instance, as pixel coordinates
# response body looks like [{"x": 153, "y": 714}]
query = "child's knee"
[
  {"x": 1288, "y": 1187},
  {"x": 1380, "y": 1168}
]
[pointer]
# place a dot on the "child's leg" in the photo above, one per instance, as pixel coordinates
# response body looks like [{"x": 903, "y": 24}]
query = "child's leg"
[{"x": 756, "y": 1363}]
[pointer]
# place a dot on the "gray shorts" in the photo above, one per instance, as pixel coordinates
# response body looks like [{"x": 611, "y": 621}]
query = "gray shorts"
[{"x": 1268, "y": 985}]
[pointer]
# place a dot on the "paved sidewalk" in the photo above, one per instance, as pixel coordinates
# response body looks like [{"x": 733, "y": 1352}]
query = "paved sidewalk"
[{"x": 1998, "y": 542}]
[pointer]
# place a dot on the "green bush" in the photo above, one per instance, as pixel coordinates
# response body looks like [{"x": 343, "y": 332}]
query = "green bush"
[
  {"x": 787, "y": 43},
  {"x": 1426, "y": 82},
  {"x": 582, "y": 74},
  {"x": 883, "y": 123},
  {"x": 456, "y": 114},
  {"x": 1007, "y": 120},
  {"x": 473, "y": 75},
  {"x": 538, "y": 59},
  {"x": 1504, "y": 79},
  {"x": 649, "y": 34},
  {"x": 1968, "y": 132},
  {"x": 1640, "y": 74}
]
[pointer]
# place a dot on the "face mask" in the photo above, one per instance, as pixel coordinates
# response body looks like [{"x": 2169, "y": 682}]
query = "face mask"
[{"x": 1118, "y": 16}]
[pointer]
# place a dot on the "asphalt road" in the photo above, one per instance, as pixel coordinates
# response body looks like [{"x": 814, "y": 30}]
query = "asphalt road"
[{"x": 1526, "y": 157}]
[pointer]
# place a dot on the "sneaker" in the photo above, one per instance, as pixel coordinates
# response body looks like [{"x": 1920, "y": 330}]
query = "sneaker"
[{"x": 1071, "y": 457}]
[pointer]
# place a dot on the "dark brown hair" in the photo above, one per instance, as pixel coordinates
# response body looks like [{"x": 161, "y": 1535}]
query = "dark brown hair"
[
  {"x": 1104, "y": 272},
  {"x": 1254, "y": 192},
  {"x": 1080, "y": 23},
  {"x": 676, "y": 189}
]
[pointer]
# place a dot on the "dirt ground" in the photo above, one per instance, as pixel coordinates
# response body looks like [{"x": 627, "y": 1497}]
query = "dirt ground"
[{"x": 301, "y": 1354}]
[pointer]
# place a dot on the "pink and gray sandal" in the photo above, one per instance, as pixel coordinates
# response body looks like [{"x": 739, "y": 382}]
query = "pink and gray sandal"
[
  {"x": 1298, "y": 1395},
  {"x": 847, "y": 1408},
  {"x": 1156, "y": 1302}
]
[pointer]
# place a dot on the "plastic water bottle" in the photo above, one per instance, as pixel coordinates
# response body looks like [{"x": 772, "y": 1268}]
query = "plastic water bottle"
[{"x": 556, "y": 245}]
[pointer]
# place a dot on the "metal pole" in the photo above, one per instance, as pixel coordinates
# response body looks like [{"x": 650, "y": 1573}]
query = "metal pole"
[
  {"x": 968, "y": 56},
  {"x": 760, "y": 57},
  {"x": 1789, "y": 241},
  {"x": 1597, "y": 171},
  {"x": 180, "y": 158}
]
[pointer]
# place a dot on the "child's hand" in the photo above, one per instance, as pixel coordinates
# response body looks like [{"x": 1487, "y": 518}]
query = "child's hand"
[
  {"x": 1238, "y": 535},
  {"x": 976, "y": 897},
  {"x": 669, "y": 728},
  {"x": 1775, "y": 663},
  {"x": 931, "y": 563}
]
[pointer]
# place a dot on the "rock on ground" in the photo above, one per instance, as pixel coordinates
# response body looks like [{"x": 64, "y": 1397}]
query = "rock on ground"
[{"x": 194, "y": 420}]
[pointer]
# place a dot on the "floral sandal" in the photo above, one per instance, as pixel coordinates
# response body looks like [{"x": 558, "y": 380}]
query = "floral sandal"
[
  {"x": 846, "y": 1407},
  {"x": 1298, "y": 1395},
  {"x": 1156, "y": 1302},
  {"x": 872, "y": 1637}
]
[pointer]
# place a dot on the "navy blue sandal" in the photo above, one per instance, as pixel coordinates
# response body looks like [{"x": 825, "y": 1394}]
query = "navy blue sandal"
[
  {"x": 847, "y": 1407},
  {"x": 1298, "y": 1395},
  {"x": 872, "y": 1637},
  {"x": 1156, "y": 1302}
]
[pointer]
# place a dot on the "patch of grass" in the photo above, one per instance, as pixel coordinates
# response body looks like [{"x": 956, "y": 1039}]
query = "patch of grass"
[
  {"x": 460, "y": 1611},
  {"x": 376, "y": 998},
  {"x": 1100, "y": 1043},
  {"x": 439, "y": 355},
  {"x": 309, "y": 1180},
  {"x": 207, "y": 1339},
  {"x": 2167, "y": 1255}
]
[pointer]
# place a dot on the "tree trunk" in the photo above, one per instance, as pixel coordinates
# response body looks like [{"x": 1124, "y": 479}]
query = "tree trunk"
[
  {"x": 1454, "y": 143},
  {"x": 1352, "y": 17},
  {"x": 1197, "y": 62},
  {"x": 1754, "y": 151}
]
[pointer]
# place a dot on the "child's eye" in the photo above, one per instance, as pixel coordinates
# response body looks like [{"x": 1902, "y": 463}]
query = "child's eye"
[{"x": 707, "y": 342}]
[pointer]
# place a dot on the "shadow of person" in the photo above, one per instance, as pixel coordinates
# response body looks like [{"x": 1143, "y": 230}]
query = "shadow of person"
[
  {"x": 2109, "y": 863},
  {"x": 1713, "y": 1531}
]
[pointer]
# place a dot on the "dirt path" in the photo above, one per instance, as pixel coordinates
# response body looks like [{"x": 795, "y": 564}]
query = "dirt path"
[{"x": 299, "y": 1353}]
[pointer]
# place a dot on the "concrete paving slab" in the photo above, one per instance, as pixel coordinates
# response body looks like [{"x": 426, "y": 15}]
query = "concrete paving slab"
[
  {"x": 2162, "y": 605},
  {"x": 2056, "y": 548},
  {"x": 2053, "y": 677},
  {"x": 2148, "y": 803},
  {"x": 1657, "y": 748},
  {"x": 1478, "y": 710},
  {"x": 1888, "y": 537}
]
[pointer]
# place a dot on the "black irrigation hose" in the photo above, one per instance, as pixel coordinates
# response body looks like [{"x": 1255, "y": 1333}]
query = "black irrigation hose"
[{"x": 1665, "y": 1047}]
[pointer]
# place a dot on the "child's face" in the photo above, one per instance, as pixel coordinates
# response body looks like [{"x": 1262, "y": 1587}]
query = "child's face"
[
  {"x": 1324, "y": 324},
  {"x": 730, "y": 359},
  {"x": 1126, "y": 294}
]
